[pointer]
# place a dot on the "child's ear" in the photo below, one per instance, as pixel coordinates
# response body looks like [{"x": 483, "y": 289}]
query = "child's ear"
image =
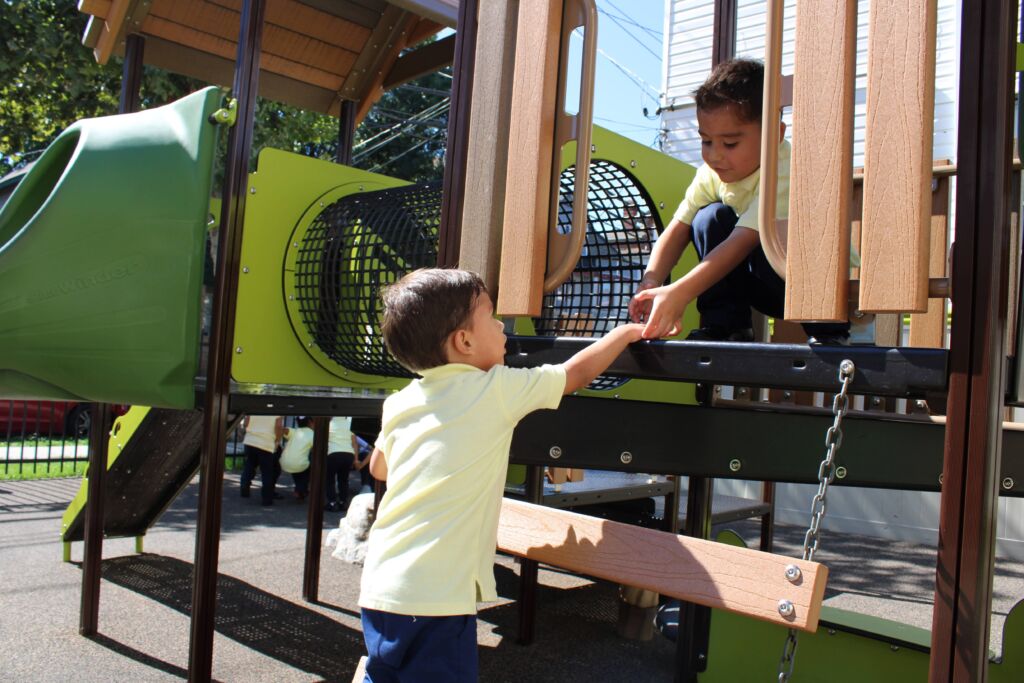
[{"x": 462, "y": 342}]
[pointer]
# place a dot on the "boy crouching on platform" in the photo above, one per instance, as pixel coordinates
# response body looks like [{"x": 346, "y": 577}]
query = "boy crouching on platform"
[{"x": 443, "y": 450}]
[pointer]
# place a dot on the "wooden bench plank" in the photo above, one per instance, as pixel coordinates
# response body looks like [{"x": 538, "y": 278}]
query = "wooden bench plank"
[
  {"x": 740, "y": 580},
  {"x": 818, "y": 246},
  {"x": 898, "y": 157}
]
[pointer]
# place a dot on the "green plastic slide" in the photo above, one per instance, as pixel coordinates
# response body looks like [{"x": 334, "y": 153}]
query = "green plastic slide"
[{"x": 101, "y": 259}]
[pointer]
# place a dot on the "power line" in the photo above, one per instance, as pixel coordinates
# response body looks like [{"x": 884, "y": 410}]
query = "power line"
[
  {"x": 625, "y": 30},
  {"x": 626, "y": 17},
  {"x": 645, "y": 87}
]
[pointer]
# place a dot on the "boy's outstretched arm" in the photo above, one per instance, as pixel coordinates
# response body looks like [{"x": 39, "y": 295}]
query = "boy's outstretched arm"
[
  {"x": 668, "y": 303},
  {"x": 582, "y": 368},
  {"x": 667, "y": 250}
]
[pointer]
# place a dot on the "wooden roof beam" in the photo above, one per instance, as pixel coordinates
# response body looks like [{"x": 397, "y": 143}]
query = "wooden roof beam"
[
  {"x": 365, "y": 80},
  {"x": 123, "y": 16},
  {"x": 425, "y": 60}
]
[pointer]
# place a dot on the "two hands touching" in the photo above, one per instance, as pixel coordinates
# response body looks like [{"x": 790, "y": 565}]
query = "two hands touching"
[{"x": 659, "y": 307}]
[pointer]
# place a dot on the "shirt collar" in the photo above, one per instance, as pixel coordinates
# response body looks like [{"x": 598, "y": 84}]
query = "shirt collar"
[{"x": 446, "y": 370}]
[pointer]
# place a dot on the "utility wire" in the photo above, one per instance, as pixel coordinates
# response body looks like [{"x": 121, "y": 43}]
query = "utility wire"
[
  {"x": 625, "y": 30},
  {"x": 627, "y": 18},
  {"x": 644, "y": 86}
]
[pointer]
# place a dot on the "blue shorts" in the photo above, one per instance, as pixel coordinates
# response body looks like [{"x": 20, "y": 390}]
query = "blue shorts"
[{"x": 407, "y": 649}]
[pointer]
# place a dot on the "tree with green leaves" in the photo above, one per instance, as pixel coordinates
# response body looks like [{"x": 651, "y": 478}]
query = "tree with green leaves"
[{"x": 49, "y": 80}]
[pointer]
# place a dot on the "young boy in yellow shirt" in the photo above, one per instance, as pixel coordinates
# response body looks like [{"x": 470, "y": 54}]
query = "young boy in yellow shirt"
[
  {"x": 719, "y": 215},
  {"x": 443, "y": 451}
]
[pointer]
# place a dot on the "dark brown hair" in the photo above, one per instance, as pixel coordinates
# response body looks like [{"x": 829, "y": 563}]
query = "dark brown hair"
[
  {"x": 737, "y": 82},
  {"x": 422, "y": 309}
]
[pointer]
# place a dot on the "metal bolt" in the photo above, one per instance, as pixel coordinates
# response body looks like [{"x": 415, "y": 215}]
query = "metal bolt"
[
  {"x": 295, "y": 245},
  {"x": 615, "y": 396},
  {"x": 238, "y": 349},
  {"x": 291, "y": 297},
  {"x": 841, "y": 472},
  {"x": 735, "y": 465},
  {"x": 894, "y": 648},
  {"x": 626, "y": 457},
  {"x": 321, "y": 205},
  {"x": 1008, "y": 483},
  {"x": 787, "y": 394},
  {"x": 245, "y": 269},
  {"x": 593, "y": 148},
  {"x": 252, "y": 190},
  {"x": 786, "y": 608},
  {"x": 792, "y": 573},
  {"x": 661, "y": 205},
  {"x": 555, "y": 452},
  {"x": 360, "y": 188},
  {"x": 632, "y": 163},
  {"x": 846, "y": 367},
  {"x": 718, "y": 389},
  {"x": 742, "y": 391},
  {"x": 876, "y": 401},
  {"x": 831, "y": 631},
  {"x": 919, "y": 403}
]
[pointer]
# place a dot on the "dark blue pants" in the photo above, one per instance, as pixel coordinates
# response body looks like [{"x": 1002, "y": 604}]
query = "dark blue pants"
[
  {"x": 752, "y": 284},
  {"x": 270, "y": 469},
  {"x": 406, "y": 649},
  {"x": 339, "y": 464}
]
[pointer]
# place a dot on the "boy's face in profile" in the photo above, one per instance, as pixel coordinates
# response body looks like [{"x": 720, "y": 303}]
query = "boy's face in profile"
[
  {"x": 487, "y": 334},
  {"x": 730, "y": 145}
]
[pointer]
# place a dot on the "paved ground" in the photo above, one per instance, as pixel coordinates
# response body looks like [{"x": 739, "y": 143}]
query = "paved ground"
[{"x": 266, "y": 632}]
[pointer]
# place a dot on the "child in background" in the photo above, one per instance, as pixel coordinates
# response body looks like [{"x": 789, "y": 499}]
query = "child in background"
[
  {"x": 295, "y": 456},
  {"x": 719, "y": 215},
  {"x": 443, "y": 451}
]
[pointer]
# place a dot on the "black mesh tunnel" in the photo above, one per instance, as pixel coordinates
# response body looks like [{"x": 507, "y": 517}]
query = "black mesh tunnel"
[{"x": 365, "y": 241}]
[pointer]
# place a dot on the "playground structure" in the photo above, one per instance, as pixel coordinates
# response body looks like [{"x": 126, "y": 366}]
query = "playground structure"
[{"x": 296, "y": 364}]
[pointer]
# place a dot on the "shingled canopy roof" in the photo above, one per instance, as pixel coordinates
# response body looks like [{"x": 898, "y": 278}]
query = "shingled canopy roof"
[{"x": 316, "y": 53}]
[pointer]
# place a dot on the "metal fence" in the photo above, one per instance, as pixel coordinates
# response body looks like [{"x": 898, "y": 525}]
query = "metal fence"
[{"x": 51, "y": 438}]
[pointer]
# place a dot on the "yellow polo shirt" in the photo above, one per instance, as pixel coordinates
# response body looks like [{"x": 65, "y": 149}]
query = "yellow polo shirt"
[
  {"x": 741, "y": 196},
  {"x": 446, "y": 440}
]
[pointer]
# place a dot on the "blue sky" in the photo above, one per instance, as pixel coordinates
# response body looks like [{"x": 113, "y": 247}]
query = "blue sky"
[{"x": 625, "y": 47}]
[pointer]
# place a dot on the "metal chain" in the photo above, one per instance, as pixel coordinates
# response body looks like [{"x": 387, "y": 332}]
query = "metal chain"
[{"x": 819, "y": 504}]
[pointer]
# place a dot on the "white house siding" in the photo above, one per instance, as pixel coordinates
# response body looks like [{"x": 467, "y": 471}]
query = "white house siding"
[{"x": 905, "y": 515}]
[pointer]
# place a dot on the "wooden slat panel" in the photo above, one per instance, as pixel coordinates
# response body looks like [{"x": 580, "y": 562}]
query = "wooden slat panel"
[
  {"x": 364, "y": 81},
  {"x": 898, "y": 156},
  {"x": 929, "y": 329},
  {"x": 717, "y": 575},
  {"x": 309, "y": 21},
  {"x": 178, "y": 33},
  {"x": 528, "y": 179},
  {"x": 818, "y": 248},
  {"x": 112, "y": 25},
  {"x": 487, "y": 154},
  {"x": 218, "y": 21}
]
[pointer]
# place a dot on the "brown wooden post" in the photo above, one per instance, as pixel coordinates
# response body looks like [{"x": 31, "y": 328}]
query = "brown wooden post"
[
  {"x": 315, "y": 512},
  {"x": 131, "y": 74},
  {"x": 92, "y": 558},
  {"x": 450, "y": 231},
  {"x": 723, "y": 41},
  {"x": 346, "y": 130},
  {"x": 967, "y": 518},
  {"x": 217, "y": 397}
]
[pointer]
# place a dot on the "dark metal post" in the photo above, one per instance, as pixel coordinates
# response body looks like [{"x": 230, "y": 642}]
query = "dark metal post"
[
  {"x": 315, "y": 512},
  {"x": 346, "y": 131},
  {"x": 528, "y": 568},
  {"x": 450, "y": 232},
  {"x": 963, "y": 592},
  {"x": 92, "y": 558},
  {"x": 217, "y": 397},
  {"x": 723, "y": 43},
  {"x": 131, "y": 74},
  {"x": 694, "y": 620}
]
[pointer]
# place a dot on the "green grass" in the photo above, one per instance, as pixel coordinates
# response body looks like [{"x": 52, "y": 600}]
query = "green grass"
[{"x": 20, "y": 471}]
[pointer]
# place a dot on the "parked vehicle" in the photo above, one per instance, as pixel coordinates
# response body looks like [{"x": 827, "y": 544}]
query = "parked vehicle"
[{"x": 68, "y": 419}]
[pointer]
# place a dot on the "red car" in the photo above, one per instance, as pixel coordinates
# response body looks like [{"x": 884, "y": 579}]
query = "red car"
[{"x": 46, "y": 418}]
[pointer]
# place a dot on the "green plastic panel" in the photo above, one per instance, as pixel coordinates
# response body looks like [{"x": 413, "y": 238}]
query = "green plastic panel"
[
  {"x": 744, "y": 649},
  {"x": 101, "y": 259},
  {"x": 285, "y": 194}
]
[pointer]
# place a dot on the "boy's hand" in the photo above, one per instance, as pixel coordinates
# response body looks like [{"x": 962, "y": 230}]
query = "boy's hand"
[
  {"x": 640, "y": 309},
  {"x": 666, "y": 307}
]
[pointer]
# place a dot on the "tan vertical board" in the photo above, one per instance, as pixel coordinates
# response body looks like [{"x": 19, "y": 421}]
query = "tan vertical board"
[
  {"x": 487, "y": 152},
  {"x": 929, "y": 329},
  {"x": 818, "y": 246},
  {"x": 528, "y": 180},
  {"x": 898, "y": 156}
]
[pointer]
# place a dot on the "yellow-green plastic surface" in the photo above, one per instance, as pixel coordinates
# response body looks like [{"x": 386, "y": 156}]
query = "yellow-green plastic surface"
[
  {"x": 287, "y": 192},
  {"x": 101, "y": 259},
  {"x": 120, "y": 433}
]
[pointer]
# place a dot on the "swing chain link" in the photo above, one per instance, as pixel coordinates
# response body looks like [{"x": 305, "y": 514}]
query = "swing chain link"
[{"x": 819, "y": 504}]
